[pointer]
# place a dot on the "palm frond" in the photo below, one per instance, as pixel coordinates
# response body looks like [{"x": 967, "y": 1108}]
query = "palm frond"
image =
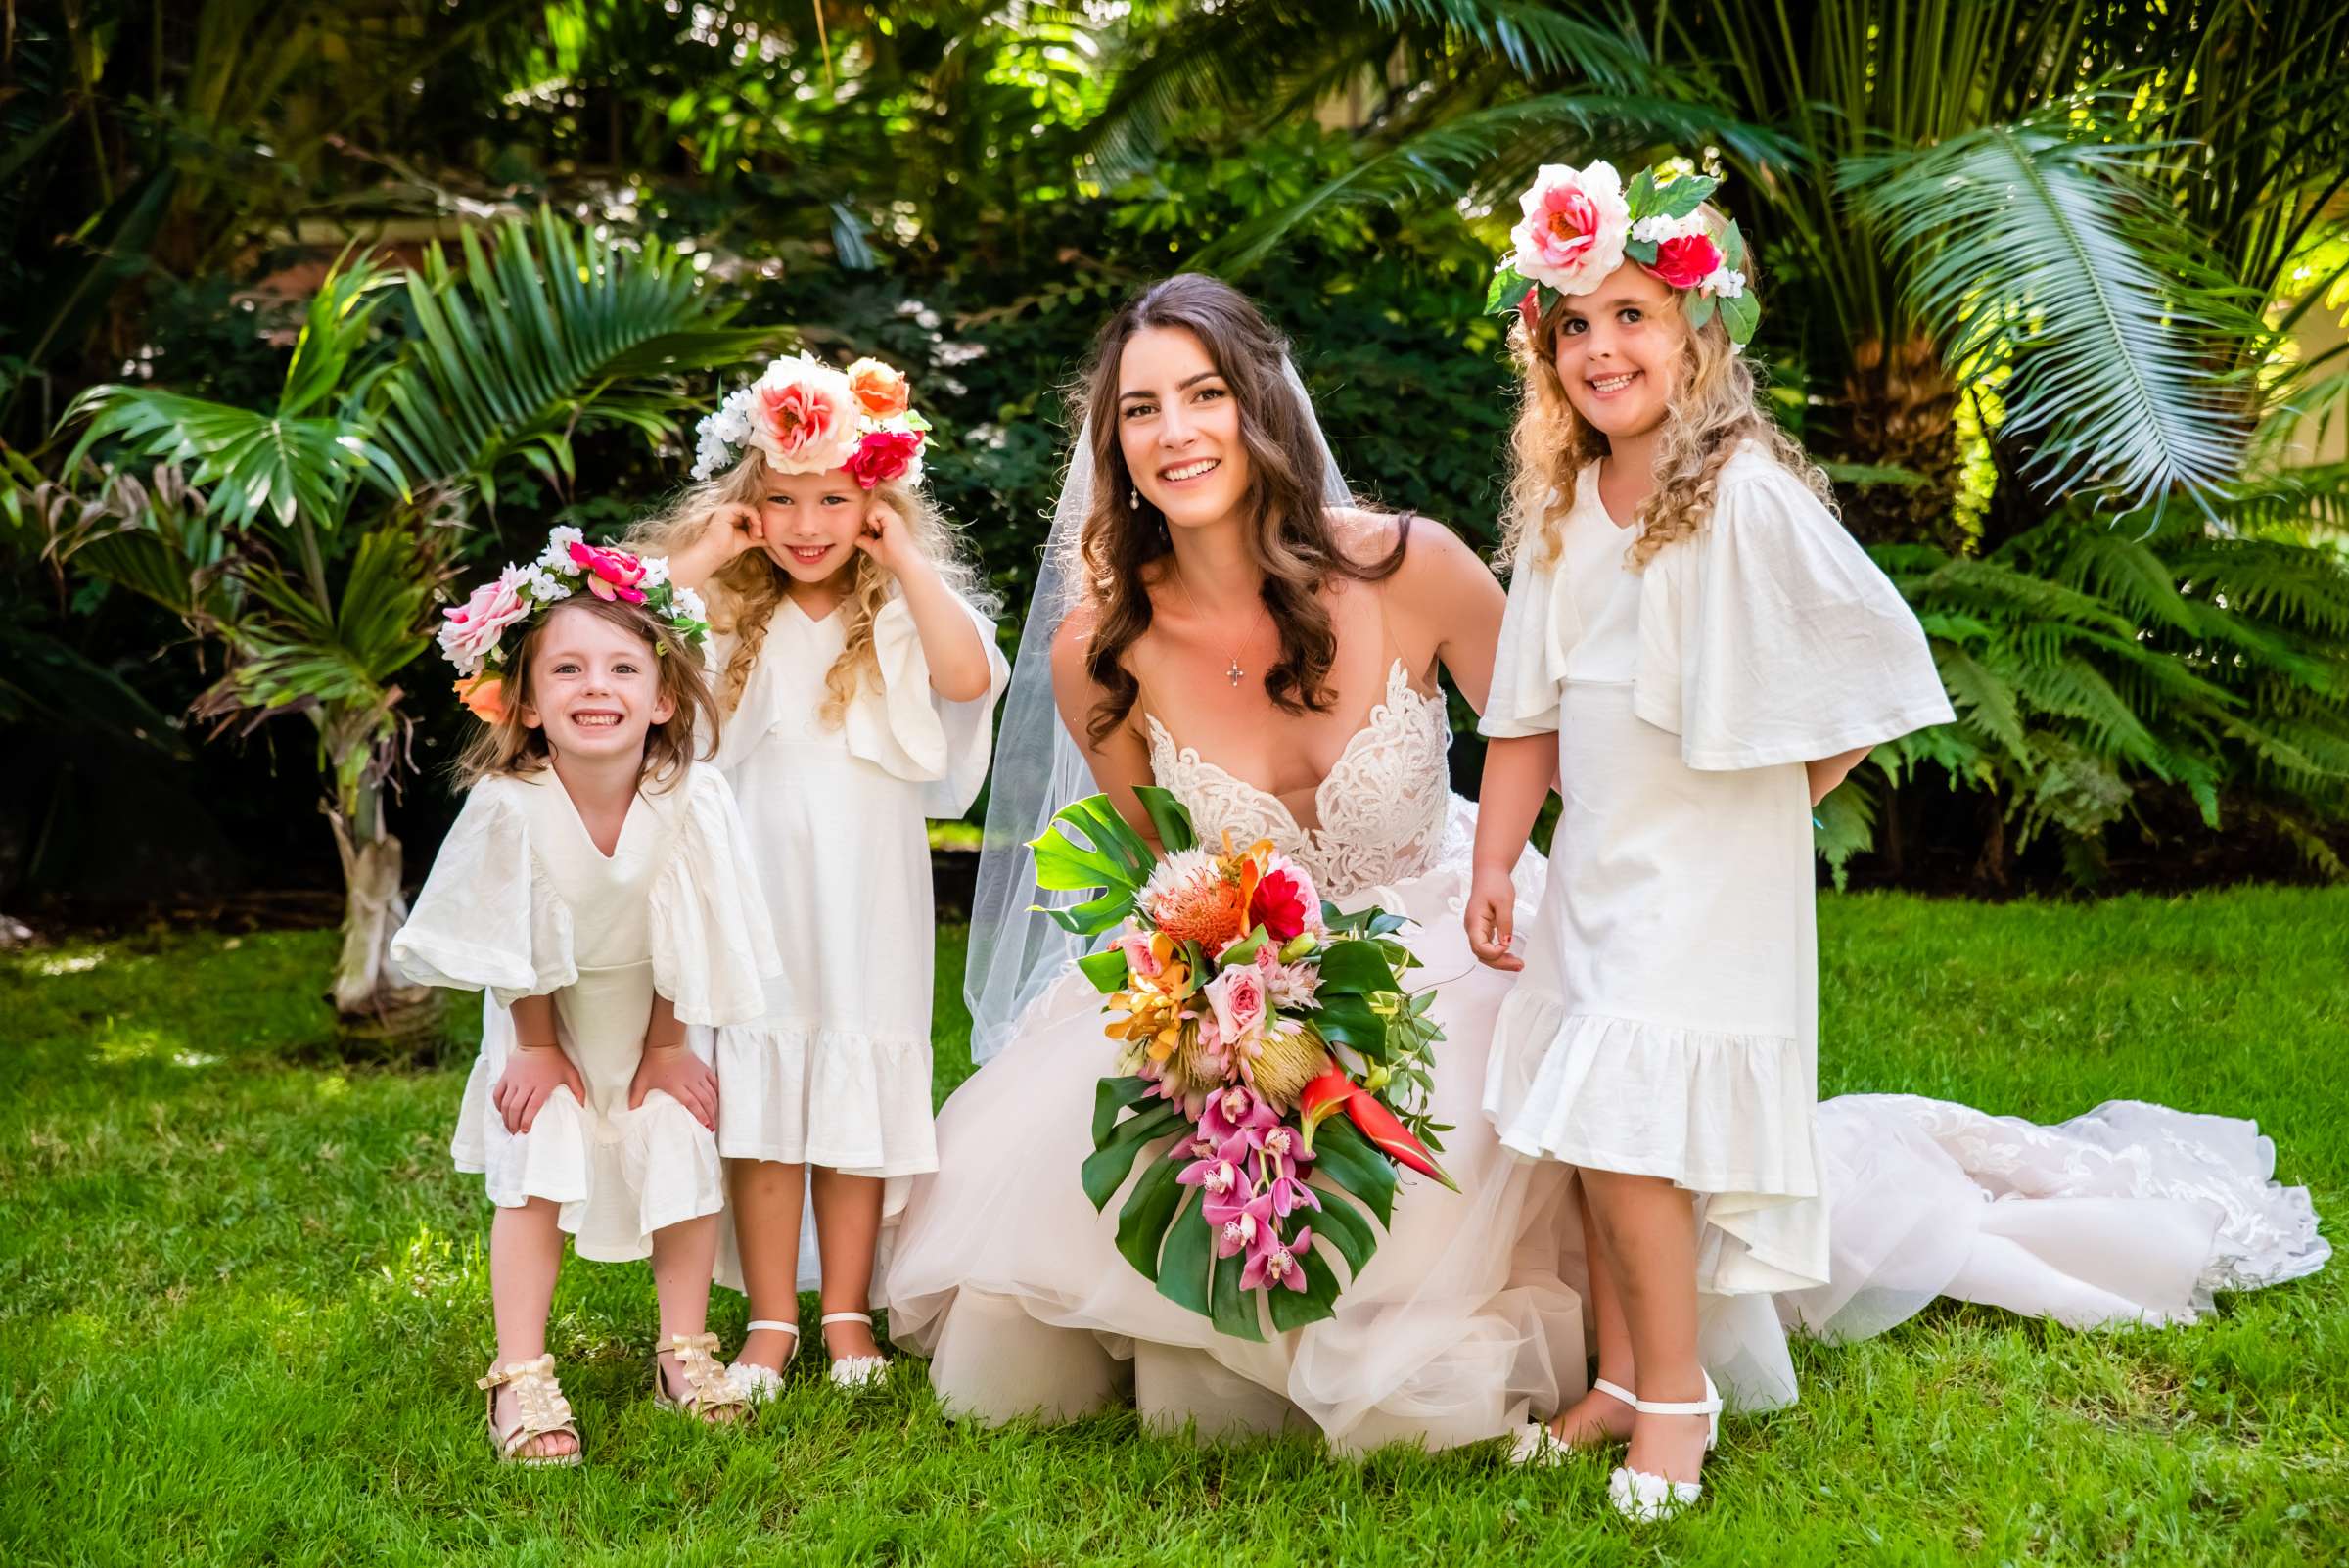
[
  {"x": 1493, "y": 148},
  {"x": 253, "y": 463},
  {"x": 2028, "y": 243},
  {"x": 551, "y": 330}
]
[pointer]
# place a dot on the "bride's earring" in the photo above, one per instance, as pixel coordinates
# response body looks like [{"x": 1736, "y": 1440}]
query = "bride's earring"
[{"x": 1134, "y": 500}]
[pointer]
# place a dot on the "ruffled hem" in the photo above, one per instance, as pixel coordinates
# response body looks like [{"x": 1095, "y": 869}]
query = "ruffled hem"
[
  {"x": 1716, "y": 1113},
  {"x": 615, "y": 1180},
  {"x": 802, "y": 1095}
]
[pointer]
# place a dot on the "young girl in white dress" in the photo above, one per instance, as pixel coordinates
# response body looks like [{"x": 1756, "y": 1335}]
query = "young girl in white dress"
[
  {"x": 1696, "y": 652},
  {"x": 594, "y": 886},
  {"x": 856, "y": 677}
]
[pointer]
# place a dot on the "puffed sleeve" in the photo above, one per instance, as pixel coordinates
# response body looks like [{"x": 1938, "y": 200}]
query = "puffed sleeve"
[
  {"x": 713, "y": 946},
  {"x": 1771, "y": 638},
  {"x": 488, "y": 919},
  {"x": 1538, "y": 630},
  {"x": 911, "y": 731}
]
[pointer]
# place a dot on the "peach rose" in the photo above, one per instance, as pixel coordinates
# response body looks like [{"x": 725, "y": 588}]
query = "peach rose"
[{"x": 881, "y": 391}]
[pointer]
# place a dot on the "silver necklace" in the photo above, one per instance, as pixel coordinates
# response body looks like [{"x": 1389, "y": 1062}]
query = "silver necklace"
[{"x": 1231, "y": 669}]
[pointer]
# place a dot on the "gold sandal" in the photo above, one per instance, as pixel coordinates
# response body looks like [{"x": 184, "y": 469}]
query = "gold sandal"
[
  {"x": 540, "y": 1409},
  {"x": 709, "y": 1386}
]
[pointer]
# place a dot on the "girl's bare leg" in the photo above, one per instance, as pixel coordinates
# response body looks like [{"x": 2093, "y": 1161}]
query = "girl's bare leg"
[
  {"x": 526, "y": 1254},
  {"x": 847, "y": 1228},
  {"x": 1598, "y": 1417},
  {"x": 766, "y": 1231},
  {"x": 1650, "y": 1231}
]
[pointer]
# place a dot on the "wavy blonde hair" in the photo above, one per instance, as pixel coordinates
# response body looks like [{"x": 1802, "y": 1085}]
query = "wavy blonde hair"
[
  {"x": 743, "y": 594},
  {"x": 507, "y": 745},
  {"x": 1713, "y": 408}
]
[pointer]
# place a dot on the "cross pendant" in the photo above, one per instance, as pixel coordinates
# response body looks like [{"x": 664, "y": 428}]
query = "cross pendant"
[{"x": 1234, "y": 673}]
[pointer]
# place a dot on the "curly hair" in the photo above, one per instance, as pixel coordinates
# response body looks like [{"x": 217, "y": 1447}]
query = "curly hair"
[
  {"x": 1289, "y": 529},
  {"x": 507, "y": 745},
  {"x": 743, "y": 594},
  {"x": 1714, "y": 407}
]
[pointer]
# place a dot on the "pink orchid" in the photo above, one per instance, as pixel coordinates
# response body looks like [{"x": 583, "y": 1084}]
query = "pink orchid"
[
  {"x": 611, "y": 573},
  {"x": 1246, "y": 1231},
  {"x": 1273, "y": 1264},
  {"x": 1234, "y": 1110},
  {"x": 1289, "y": 1194}
]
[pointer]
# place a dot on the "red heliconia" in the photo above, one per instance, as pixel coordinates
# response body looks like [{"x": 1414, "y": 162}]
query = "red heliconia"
[{"x": 1325, "y": 1095}]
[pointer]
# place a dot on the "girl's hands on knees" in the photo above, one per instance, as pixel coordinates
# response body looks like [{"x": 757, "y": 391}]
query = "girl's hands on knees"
[
  {"x": 1491, "y": 917},
  {"x": 532, "y": 1072},
  {"x": 681, "y": 1075}
]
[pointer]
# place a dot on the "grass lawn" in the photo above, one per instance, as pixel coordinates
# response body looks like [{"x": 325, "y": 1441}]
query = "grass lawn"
[{"x": 242, "y": 1298}]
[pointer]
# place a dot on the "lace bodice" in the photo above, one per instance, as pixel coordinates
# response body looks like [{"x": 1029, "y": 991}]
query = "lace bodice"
[{"x": 1382, "y": 807}]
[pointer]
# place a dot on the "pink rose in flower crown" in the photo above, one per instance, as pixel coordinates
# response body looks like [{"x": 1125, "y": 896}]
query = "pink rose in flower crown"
[
  {"x": 1574, "y": 224},
  {"x": 802, "y": 416},
  {"x": 611, "y": 573},
  {"x": 883, "y": 455},
  {"x": 1237, "y": 996},
  {"x": 1687, "y": 260},
  {"x": 881, "y": 389},
  {"x": 471, "y": 629}
]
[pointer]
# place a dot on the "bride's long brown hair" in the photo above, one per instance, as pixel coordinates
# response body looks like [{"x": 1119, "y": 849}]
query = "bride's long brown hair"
[{"x": 1289, "y": 531}]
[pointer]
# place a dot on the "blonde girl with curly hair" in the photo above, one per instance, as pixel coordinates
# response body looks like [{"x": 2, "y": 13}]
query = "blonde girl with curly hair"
[
  {"x": 1695, "y": 653},
  {"x": 856, "y": 674}
]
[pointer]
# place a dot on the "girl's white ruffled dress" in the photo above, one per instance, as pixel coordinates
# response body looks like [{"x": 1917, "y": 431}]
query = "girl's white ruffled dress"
[
  {"x": 1666, "y": 1022},
  {"x": 521, "y": 903},
  {"x": 836, "y": 1070}
]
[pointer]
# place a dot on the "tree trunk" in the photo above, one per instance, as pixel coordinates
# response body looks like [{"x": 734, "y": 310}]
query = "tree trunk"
[
  {"x": 1900, "y": 410},
  {"x": 376, "y": 1008}
]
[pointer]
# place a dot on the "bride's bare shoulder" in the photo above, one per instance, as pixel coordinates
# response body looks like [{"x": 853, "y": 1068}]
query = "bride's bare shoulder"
[{"x": 1436, "y": 560}]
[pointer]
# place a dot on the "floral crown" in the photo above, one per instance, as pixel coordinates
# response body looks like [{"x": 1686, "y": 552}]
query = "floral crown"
[
  {"x": 1582, "y": 224},
  {"x": 472, "y": 635},
  {"x": 809, "y": 418}
]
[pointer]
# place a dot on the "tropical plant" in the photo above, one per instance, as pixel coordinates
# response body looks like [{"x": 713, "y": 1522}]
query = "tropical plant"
[{"x": 332, "y": 513}]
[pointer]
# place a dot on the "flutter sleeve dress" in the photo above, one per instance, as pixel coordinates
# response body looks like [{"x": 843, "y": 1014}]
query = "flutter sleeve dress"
[
  {"x": 836, "y": 1071},
  {"x": 521, "y": 903},
  {"x": 1666, "y": 1021}
]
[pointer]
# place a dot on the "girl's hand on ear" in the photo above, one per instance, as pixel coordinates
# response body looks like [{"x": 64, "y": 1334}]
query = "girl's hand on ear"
[
  {"x": 734, "y": 528},
  {"x": 886, "y": 537}
]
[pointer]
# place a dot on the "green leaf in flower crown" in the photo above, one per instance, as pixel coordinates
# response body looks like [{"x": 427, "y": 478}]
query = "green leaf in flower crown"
[
  {"x": 1107, "y": 970},
  {"x": 1741, "y": 316},
  {"x": 1508, "y": 287},
  {"x": 1190, "y": 1258},
  {"x": 1642, "y": 251},
  {"x": 1686, "y": 195},
  {"x": 1733, "y": 247},
  {"x": 1639, "y": 197},
  {"x": 1148, "y": 1209},
  {"x": 1167, "y": 816},
  {"x": 1699, "y": 309}
]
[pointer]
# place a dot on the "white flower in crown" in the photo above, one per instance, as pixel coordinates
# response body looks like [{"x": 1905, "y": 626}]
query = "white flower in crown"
[
  {"x": 656, "y": 572},
  {"x": 1724, "y": 282},
  {"x": 1656, "y": 230},
  {"x": 689, "y": 603},
  {"x": 556, "y": 557},
  {"x": 1574, "y": 227},
  {"x": 545, "y": 586}
]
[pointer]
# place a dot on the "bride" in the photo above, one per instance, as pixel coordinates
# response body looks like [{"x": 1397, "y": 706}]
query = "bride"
[{"x": 1216, "y": 618}]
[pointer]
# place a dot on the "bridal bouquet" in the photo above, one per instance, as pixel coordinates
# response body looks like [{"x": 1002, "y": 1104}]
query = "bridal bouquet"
[{"x": 1270, "y": 1064}]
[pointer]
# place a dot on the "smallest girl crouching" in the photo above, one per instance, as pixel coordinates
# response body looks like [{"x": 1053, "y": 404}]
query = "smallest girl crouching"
[{"x": 591, "y": 886}]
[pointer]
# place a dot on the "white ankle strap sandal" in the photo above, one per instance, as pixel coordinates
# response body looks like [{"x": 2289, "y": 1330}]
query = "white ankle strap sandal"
[
  {"x": 854, "y": 1371},
  {"x": 1535, "y": 1443},
  {"x": 756, "y": 1383},
  {"x": 1646, "y": 1499}
]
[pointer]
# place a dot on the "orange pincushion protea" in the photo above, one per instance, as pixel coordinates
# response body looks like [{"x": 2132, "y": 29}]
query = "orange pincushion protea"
[{"x": 1196, "y": 896}]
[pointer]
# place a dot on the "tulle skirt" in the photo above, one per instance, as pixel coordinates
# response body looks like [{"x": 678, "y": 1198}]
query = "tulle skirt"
[{"x": 1464, "y": 1323}]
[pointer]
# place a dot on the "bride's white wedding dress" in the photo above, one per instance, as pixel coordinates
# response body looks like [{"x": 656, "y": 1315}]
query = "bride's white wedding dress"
[{"x": 1468, "y": 1320}]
